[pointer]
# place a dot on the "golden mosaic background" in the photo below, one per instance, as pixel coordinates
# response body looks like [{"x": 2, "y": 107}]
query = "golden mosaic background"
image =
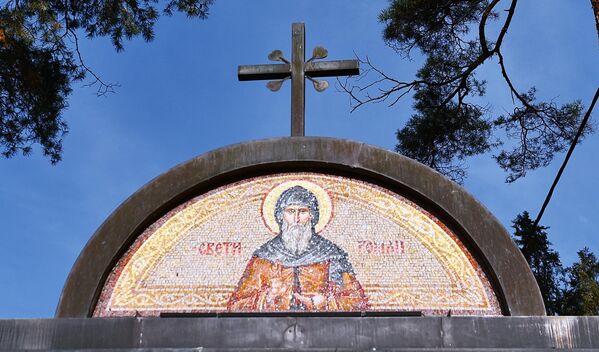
[{"x": 192, "y": 258}]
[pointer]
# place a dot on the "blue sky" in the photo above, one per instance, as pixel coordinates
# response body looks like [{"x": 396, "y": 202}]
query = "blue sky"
[{"x": 179, "y": 97}]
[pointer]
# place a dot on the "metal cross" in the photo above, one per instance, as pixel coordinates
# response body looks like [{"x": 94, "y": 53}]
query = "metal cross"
[{"x": 297, "y": 70}]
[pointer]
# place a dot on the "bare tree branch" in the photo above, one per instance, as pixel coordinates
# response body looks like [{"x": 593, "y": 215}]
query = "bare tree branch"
[
  {"x": 483, "y": 23},
  {"x": 446, "y": 82},
  {"x": 103, "y": 87}
]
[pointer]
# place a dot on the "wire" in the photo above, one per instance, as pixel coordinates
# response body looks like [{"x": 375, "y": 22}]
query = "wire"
[{"x": 572, "y": 146}]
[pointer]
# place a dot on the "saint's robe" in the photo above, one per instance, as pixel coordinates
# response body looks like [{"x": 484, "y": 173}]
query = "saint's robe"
[{"x": 274, "y": 274}]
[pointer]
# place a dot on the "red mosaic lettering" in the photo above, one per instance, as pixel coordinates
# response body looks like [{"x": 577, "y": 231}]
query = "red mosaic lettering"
[
  {"x": 219, "y": 248},
  {"x": 381, "y": 248},
  {"x": 209, "y": 249},
  {"x": 237, "y": 248}
]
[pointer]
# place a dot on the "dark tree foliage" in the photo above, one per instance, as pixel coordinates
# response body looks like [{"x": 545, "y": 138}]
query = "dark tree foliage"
[
  {"x": 451, "y": 34},
  {"x": 581, "y": 296},
  {"x": 439, "y": 136},
  {"x": 40, "y": 59},
  {"x": 544, "y": 261},
  {"x": 540, "y": 138}
]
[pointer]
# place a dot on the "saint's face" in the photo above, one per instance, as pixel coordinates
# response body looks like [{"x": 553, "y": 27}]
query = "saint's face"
[{"x": 296, "y": 214}]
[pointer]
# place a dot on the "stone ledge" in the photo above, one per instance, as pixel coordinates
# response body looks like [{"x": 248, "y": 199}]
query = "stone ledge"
[
  {"x": 202, "y": 349},
  {"x": 303, "y": 333}
]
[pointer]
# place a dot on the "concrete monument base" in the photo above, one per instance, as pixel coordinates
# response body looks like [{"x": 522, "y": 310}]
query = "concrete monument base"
[{"x": 303, "y": 333}]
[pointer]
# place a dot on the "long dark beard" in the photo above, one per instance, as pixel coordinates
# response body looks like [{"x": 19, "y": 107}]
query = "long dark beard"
[{"x": 296, "y": 237}]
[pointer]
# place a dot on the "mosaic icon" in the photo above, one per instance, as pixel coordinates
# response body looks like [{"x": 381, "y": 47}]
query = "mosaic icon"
[
  {"x": 298, "y": 269},
  {"x": 297, "y": 242}
]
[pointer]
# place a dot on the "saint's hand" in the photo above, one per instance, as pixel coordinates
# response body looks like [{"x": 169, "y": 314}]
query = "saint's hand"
[
  {"x": 277, "y": 289},
  {"x": 314, "y": 302}
]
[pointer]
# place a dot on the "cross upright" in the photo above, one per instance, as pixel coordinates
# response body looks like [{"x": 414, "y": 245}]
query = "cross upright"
[{"x": 298, "y": 70}]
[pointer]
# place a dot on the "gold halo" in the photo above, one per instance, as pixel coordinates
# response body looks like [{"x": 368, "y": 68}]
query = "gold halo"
[{"x": 325, "y": 204}]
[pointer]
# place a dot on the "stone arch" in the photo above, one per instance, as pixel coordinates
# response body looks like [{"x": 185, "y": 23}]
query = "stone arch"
[{"x": 481, "y": 233}]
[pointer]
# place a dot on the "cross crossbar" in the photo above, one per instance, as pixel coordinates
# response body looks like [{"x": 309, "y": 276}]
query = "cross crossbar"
[{"x": 312, "y": 69}]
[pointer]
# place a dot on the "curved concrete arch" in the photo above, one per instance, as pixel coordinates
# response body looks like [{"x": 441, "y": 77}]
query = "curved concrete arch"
[{"x": 480, "y": 231}]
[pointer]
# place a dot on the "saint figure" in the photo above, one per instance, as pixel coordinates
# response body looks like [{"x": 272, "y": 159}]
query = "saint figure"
[{"x": 298, "y": 270}]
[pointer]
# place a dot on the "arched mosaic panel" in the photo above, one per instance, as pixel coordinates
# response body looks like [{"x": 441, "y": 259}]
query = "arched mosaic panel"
[{"x": 369, "y": 249}]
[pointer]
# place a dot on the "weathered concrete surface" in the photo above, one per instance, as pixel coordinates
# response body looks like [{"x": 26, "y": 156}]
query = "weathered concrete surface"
[
  {"x": 303, "y": 333},
  {"x": 480, "y": 231}
]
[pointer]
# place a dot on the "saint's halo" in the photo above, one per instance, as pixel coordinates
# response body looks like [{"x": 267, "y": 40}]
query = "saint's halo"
[{"x": 325, "y": 204}]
